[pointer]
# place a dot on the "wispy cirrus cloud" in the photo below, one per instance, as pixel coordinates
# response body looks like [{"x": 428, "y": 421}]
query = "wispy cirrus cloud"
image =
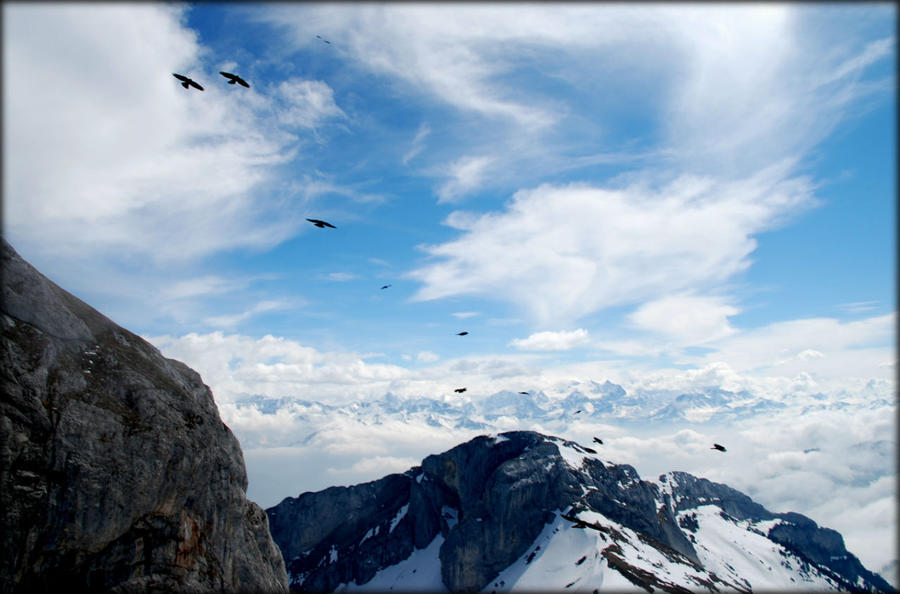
[
  {"x": 465, "y": 174},
  {"x": 231, "y": 320},
  {"x": 418, "y": 144}
]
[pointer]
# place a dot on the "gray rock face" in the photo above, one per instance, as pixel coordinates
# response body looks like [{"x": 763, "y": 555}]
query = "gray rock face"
[{"x": 116, "y": 472}]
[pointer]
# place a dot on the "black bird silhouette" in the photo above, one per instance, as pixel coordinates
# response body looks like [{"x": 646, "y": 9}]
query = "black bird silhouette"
[
  {"x": 461, "y": 333},
  {"x": 716, "y": 446},
  {"x": 234, "y": 78},
  {"x": 459, "y": 390},
  {"x": 577, "y": 411},
  {"x": 186, "y": 82},
  {"x": 385, "y": 286},
  {"x": 323, "y": 39},
  {"x": 598, "y": 440},
  {"x": 321, "y": 224},
  {"x": 526, "y": 393}
]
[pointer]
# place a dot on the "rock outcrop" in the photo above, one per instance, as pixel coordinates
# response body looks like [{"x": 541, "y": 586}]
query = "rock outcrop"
[{"x": 116, "y": 471}]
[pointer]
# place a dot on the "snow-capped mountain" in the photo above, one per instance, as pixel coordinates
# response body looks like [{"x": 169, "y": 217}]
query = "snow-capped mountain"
[
  {"x": 607, "y": 402},
  {"x": 521, "y": 511}
]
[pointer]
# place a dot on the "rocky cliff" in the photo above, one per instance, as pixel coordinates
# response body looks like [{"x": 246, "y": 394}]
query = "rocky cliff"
[
  {"x": 524, "y": 511},
  {"x": 116, "y": 471}
]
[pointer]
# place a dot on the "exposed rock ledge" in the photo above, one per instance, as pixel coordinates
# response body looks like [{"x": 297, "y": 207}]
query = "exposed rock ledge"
[{"x": 116, "y": 471}]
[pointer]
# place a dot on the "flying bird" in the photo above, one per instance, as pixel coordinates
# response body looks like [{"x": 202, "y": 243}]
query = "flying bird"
[
  {"x": 598, "y": 440},
  {"x": 323, "y": 39},
  {"x": 461, "y": 333},
  {"x": 526, "y": 393},
  {"x": 716, "y": 446},
  {"x": 321, "y": 224},
  {"x": 577, "y": 411},
  {"x": 186, "y": 82},
  {"x": 234, "y": 78},
  {"x": 385, "y": 286},
  {"x": 459, "y": 390}
]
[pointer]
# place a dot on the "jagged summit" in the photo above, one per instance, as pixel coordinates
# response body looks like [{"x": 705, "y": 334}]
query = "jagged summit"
[
  {"x": 529, "y": 512},
  {"x": 116, "y": 472}
]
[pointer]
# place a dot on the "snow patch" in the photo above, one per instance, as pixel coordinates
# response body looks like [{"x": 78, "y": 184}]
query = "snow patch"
[
  {"x": 370, "y": 533},
  {"x": 400, "y": 515},
  {"x": 420, "y": 572}
]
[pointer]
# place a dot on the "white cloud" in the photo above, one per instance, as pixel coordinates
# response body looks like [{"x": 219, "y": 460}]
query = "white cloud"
[
  {"x": 466, "y": 174},
  {"x": 228, "y": 321},
  {"x": 464, "y": 315},
  {"x": 580, "y": 248},
  {"x": 427, "y": 356},
  {"x": 340, "y": 277},
  {"x": 810, "y": 354},
  {"x": 418, "y": 143},
  {"x": 860, "y": 306},
  {"x": 203, "y": 285},
  {"x": 307, "y": 103},
  {"x": 825, "y": 348},
  {"x": 552, "y": 341},
  {"x": 140, "y": 166},
  {"x": 687, "y": 319},
  {"x": 236, "y": 366}
]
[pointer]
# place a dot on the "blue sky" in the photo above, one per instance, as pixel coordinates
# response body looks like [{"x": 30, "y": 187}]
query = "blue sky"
[{"x": 590, "y": 190}]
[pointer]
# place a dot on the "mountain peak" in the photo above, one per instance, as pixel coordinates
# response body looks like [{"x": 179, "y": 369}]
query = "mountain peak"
[{"x": 526, "y": 511}]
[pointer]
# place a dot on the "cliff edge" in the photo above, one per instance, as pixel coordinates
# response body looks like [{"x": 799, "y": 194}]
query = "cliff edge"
[{"x": 116, "y": 471}]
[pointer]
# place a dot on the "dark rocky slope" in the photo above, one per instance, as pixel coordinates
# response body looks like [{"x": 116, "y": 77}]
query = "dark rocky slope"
[{"x": 116, "y": 471}]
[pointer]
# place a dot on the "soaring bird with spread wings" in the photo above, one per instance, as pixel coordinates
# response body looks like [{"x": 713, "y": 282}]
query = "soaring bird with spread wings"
[
  {"x": 321, "y": 224},
  {"x": 459, "y": 390},
  {"x": 234, "y": 78},
  {"x": 186, "y": 82}
]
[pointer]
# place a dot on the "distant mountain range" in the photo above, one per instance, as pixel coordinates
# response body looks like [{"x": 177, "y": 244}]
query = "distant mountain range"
[
  {"x": 606, "y": 402},
  {"x": 522, "y": 511}
]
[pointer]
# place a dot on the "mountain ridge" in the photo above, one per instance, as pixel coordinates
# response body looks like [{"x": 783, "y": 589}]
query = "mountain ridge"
[{"x": 488, "y": 508}]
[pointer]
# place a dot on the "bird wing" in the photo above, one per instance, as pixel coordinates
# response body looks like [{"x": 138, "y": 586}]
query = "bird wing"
[
  {"x": 193, "y": 84},
  {"x": 242, "y": 82},
  {"x": 228, "y": 75},
  {"x": 181, "y": 77}
]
